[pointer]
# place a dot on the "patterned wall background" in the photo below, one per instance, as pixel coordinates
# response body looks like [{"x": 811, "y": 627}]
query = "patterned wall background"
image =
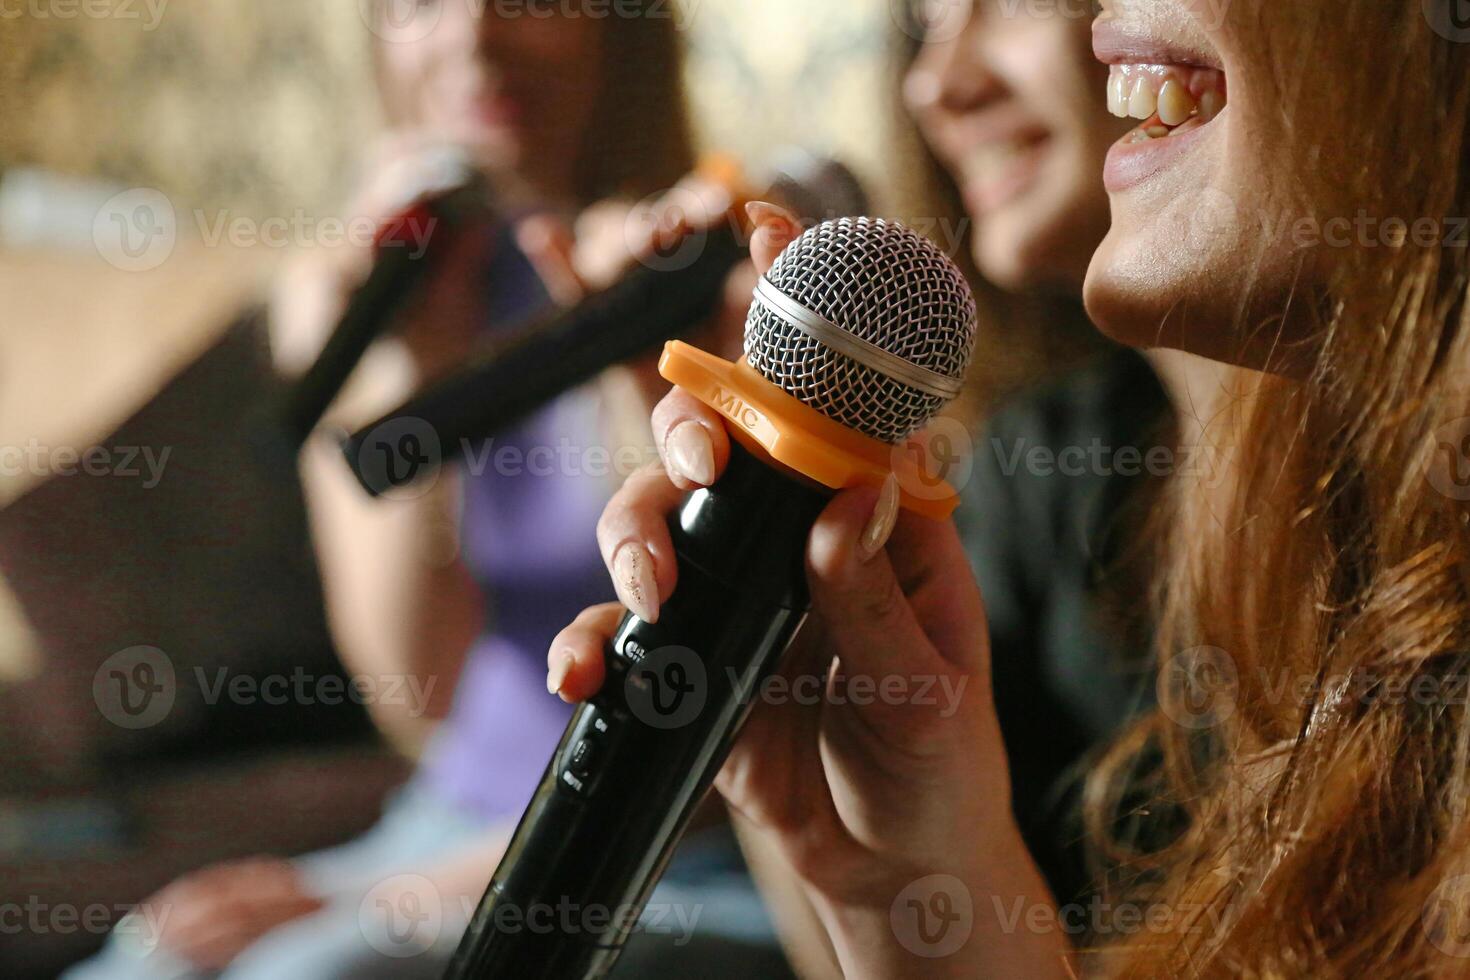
[{"x": 258, "y": 105}]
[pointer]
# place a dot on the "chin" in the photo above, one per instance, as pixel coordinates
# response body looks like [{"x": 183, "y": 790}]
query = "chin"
[{"x": 1043, "y": 240}]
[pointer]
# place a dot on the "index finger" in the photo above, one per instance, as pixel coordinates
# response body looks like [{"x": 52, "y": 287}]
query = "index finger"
[{"x": 691, "y": 440}]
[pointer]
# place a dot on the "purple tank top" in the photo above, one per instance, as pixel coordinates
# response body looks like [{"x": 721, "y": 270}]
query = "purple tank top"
[{"x": 532, "y": 499}]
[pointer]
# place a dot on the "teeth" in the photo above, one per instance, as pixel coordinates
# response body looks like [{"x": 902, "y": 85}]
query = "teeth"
[
  {"x": 1210, "y": 104},
  {"x": 1118, "y": 95},
  {"x": 1143, "y": 102},
  {"x": 1176, "y": 95},
  {"x": 1175, "y": 104}
]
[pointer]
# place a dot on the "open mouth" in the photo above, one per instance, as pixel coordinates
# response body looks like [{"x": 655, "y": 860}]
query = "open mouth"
[
  {"x": 1168, "y": 100},
  {"x": 1176, "y": 106}
]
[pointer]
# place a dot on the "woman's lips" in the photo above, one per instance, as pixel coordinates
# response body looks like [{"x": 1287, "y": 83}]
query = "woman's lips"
[
  {"x": 1177, "y": 95},
  {"x": 1130, "y": 164}
]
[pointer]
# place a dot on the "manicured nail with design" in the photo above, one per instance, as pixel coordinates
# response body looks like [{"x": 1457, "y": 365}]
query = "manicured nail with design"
[
  {"x": 557, "y": 676},
  {"x": 691, "y": 454},
  {"x": 880, "y": 525},
  {"x": 635, "y": 582}
]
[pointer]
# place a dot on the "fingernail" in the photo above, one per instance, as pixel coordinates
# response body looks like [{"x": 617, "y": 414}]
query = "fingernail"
[
  {"x": 762, "y": 212},
  {"x": 691, "y": 453},
  {"x": 557, "y": 676},
  {"x": 880, "y": 525},
  {"x": 635, "y": 582}
]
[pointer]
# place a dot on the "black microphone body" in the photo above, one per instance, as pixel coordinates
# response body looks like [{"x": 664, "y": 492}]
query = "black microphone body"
[
  {"x": 646, "y": 308},
  {"x": 398, "y": 270},
  {"x": 637, "y": 760}
]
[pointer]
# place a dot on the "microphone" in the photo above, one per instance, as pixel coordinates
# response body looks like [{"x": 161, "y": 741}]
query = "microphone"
[
  {"x": 858, "y": 335},
  {"x": 658, "y": 301},
  {"x": 450, "y": 195}
]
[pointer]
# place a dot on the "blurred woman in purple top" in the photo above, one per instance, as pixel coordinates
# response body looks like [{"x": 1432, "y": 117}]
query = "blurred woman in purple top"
[{"x": 458, "y": 585}]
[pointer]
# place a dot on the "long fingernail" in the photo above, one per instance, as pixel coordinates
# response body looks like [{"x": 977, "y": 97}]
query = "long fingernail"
[
  {"x": 557, "y": 675},
  {"x": 691, "y": 453},
  {"x": 762, "y": 212},
  {"x": 880, "y": 525},
  {"x": 635, "y": 582}
]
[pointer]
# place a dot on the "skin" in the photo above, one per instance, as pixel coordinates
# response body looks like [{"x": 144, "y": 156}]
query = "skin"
[
  {"x": 1010, "y": 76},
  {"x": 1169, "y": 272},
  {"x": 517, "y": 93},
  {"x": 518, "y": 90},
  {"x": 856, "y": 801}
]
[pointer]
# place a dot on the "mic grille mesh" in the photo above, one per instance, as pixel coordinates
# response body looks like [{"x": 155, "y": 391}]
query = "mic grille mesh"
[{"x": 884, "y": 284}]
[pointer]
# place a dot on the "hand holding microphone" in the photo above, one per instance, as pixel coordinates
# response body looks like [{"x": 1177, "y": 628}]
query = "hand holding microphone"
[{"x": 857, "y": 336}]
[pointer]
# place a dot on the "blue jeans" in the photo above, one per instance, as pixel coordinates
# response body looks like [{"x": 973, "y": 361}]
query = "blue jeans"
[{"x": 705, "y": 897}]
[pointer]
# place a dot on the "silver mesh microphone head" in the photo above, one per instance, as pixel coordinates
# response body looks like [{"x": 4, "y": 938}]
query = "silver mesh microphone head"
[{"x": 867, "y": 322}]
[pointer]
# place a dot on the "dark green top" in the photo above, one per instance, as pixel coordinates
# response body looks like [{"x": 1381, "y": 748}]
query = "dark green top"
[{"x": 1053, "y": 520}]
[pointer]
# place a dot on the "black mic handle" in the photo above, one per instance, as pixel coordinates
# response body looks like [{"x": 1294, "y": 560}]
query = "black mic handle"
[
  {"x": 648, "y": 307},
  {"x": 636, "y": 761},
  {"x": 397, "y": 272}
]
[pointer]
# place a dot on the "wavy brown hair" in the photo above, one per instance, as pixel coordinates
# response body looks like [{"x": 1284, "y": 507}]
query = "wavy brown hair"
[{"x": 1313, "y": 821}]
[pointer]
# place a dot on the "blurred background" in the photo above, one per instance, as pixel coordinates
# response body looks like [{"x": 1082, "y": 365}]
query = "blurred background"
[{"x": 248, "y": 109}]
